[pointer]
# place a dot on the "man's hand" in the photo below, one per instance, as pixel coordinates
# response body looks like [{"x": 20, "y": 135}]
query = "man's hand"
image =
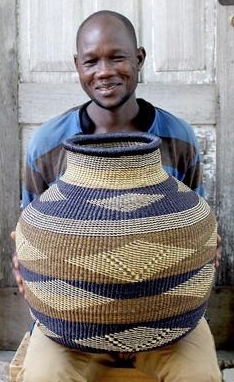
[
  {"x": 217, "y": 254},
  {"x": 16, "y": 270}
]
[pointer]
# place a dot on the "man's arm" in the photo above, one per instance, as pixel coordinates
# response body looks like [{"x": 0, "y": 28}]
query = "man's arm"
[{"x": 33, "y": 186}]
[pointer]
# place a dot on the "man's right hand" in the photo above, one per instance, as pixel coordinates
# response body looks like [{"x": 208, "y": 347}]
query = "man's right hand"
[{"x": 16, "y": 270}]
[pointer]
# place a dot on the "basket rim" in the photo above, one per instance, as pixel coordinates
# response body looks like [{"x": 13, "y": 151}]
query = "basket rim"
[{"x": 92, "y": 144}]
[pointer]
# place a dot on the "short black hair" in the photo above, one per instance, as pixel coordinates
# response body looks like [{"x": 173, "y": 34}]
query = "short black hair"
[{"x": 125, "y": 21}]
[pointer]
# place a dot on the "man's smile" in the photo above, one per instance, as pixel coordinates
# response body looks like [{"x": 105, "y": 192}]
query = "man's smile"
[{"x": 107, "y": 88}]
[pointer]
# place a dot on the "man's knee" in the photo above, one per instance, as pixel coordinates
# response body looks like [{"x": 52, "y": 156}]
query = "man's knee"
[
  {"x": 199, "y": 375},
  {"x": 47, "y": 361},
  {"x": 31, "y": 374}
]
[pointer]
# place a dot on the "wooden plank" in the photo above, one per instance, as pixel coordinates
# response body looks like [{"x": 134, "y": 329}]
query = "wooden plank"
[
  {"x": 14, "y": 318},
  {"x": 225, "y": 139},
  {"x": 9, "y": 138},
  {"x": 18, "y": 359},
  {"x": 195, "y": 103}
]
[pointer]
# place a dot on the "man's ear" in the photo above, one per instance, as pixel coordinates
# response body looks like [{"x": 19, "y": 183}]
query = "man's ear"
[
  {"x": 141, "y": 54},
  {"x": 75, "y": 60}
]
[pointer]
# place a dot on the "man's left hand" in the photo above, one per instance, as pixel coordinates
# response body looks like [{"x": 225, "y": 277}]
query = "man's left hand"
[{"x": 217, "y": 254}]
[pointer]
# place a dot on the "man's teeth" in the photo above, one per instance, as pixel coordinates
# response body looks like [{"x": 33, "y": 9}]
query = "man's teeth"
[{"x": 107, "y": 86}]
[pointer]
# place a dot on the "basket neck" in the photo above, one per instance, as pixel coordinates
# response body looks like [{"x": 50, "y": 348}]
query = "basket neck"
[{"x": 114, "y": 161}]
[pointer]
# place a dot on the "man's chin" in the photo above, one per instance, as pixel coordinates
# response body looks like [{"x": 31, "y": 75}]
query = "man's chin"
[{"x": 110, "y": 106}]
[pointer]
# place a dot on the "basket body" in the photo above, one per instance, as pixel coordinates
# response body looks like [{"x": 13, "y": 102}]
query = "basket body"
[{"x": 117, "y": 255}]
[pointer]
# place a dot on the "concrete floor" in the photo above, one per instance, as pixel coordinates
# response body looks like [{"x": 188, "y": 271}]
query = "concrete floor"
[{"x": 5, "y": 359}]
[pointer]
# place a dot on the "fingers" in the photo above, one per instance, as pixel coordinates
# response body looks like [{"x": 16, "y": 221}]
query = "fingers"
[
  {"x": 17, "y": 274},
  {"x": 13, "y": 235},
  {"x": 15, "y": 261},
  {"x": 219, "y": 240},
  {"x": 16, "y": 269},
  {"x": 217, "y": 255}
]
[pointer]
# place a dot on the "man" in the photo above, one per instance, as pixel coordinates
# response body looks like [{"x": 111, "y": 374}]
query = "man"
[{"x": 108, "y": 62}]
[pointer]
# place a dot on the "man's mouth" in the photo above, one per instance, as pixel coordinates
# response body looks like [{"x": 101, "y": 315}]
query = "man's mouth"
[{"x": 107, "y": 87}]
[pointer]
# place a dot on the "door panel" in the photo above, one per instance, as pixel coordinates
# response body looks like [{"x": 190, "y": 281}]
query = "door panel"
[{"x": 180, "y": 39}]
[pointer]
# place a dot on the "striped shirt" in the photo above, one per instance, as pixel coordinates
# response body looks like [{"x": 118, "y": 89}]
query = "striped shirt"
[{"x": 46, "y": 157}]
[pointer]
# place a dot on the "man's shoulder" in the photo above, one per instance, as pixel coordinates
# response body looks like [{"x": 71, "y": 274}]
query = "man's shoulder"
[
  {"x": 52, "y": 133},
  {"x": 168, "y": 125},
  {"x": 59, "y": 124}
]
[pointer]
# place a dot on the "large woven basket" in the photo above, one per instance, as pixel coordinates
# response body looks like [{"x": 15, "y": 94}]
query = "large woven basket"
[{"x": 117, "y": 256}]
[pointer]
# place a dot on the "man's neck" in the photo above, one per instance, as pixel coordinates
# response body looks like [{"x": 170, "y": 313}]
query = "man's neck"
[{"x": 118, "y": 120}]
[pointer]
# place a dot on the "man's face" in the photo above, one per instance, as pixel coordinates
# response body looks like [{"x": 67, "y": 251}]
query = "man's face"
[{"x": 108, "y": 62}]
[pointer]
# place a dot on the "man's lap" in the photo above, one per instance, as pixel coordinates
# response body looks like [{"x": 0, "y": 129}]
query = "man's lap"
[{"x": 193, "y": 358}]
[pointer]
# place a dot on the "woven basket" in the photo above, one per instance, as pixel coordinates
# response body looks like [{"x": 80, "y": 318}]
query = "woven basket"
[{"x": 118, "y": 255}]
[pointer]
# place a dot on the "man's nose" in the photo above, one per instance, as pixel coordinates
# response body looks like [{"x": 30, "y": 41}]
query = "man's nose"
[{"x": 105, "y": 68}]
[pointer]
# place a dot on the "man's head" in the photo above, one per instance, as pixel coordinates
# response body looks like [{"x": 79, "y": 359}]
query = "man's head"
[
  {"x": 108, "y": 60},
  {"x": 109, "y": 14}
]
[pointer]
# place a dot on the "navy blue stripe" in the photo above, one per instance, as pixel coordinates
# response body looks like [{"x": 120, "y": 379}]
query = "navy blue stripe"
[
  {"x": 77, "y": 205},
  {"x": 86, "y": 330},
  {"x": 122, "y": 290}
]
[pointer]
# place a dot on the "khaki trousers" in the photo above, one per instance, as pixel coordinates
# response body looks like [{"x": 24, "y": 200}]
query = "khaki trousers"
[{"x": 192, "y": 359}]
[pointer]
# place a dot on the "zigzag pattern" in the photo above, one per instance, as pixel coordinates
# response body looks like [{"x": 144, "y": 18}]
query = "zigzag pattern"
[
  {"x": 135, "y": 261},
  {"x": 133, "y": 340}
]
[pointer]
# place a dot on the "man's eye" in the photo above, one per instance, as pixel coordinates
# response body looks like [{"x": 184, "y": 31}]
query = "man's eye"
[
  {"x": 118, "y": 58},
  {"x": 90, "y": 62}
]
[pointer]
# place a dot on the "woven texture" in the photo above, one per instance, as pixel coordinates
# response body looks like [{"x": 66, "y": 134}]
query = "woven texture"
[{"x": 117, "y": 255}]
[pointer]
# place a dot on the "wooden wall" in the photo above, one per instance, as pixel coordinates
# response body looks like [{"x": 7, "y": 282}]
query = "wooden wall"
[
  {"x": 225, "y": 142},
  {"x": 9, "y": 137},
  {"x": 222, "y": 302},
  {"x": 10, "y": 303}
]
